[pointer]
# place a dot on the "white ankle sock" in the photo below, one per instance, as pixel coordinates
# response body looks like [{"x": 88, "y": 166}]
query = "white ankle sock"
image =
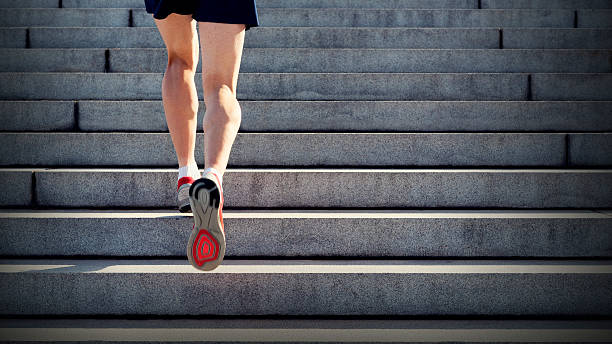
[
  {"x": 190, "y": 170},
  {"x": 212, "y": 169}
]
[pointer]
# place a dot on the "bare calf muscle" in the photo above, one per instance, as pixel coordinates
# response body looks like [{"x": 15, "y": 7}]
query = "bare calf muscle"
[{"x": 220, "y": 45}]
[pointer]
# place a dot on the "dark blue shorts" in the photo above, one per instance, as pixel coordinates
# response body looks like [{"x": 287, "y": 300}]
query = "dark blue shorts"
[{"x": 218, "y": 11}]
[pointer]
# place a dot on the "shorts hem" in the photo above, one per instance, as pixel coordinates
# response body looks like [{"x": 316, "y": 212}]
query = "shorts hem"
[
  {"x": 224, "y": 21},
  {"x": 208, "y": 19}
]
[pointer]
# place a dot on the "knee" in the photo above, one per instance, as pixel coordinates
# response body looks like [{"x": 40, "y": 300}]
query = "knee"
[{"x": 181, "y": 64}]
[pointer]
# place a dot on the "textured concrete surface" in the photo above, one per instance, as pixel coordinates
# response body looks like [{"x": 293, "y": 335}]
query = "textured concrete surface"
[
  {"x": 304, "y": 60},
  {"x": 272, "y": 37},
  {"x": 103, "y": 4},
  {"x": 321, "y": 188},
  {"x": 303, "y": 3},
  {"x": 308, "y": 60},
  {"x": 81, "y": 17},
  {"x": 282, "y": 233},
  {"x": 373, "y": 38},
  {"x": 316, "y": 37},
  {"x": 351, "y": 17},
  {"x": 306, "y": 287},
  {"x": 95, "y": 37},
  {"x": 16, "y": 187},
  {"x": 590, "y": 149},
  {"x": 595, "y": 18},
  {"x": 556, "y": 38},
  {"x": 294, "y": 149},
  {"x": 309, "y": 324},
  {"x": 574, "y": 86},
  {"x": 328, "y": 17},
  {"x": 30, "y": 3},
  {"x": 569, "y": 4},
  {"x": 52, "y": 60},
  {"x": 36, "y": 115},
  {"x": 305, "y": 330},
  {"x": 418, "y": 18},
  {"x": 416, "y": 39},
  {"x": 276, "y": 86},
  {"x": 12, "y": 38},
  {"x": 367, "y": 116}
]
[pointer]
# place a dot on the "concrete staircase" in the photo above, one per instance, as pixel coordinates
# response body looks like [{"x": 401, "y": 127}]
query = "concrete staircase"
[{"x": 406, "y": 171}]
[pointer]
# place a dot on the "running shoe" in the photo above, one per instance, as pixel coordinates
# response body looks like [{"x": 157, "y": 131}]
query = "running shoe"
[
  {"x": 182, "y": 189},
  {"x": 206, "y": 247}
]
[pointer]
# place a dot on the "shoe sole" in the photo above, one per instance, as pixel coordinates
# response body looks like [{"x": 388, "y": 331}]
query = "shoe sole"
[
  {"x": 183, "y": 204},
  {"x": 186, "y": 208},
  {"x": 206, "y": 247}
]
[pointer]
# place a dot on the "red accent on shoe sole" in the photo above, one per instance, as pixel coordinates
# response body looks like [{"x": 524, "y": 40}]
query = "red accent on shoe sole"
[
  {"x": 205, "y": 247},
  {"x": 184, "y": 180}
]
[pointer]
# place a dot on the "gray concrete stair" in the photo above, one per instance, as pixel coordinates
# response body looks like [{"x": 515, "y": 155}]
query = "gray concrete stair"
[
  {"x": 322, "y": 116},
  {"x": 337, "y": 331},
  {"x": 397, "y": 4},
  {"x": 313, "y": 17},
  {"x": 313, "y": 233},
  {"x": 558, "y": 38},
  {"x": 320, "y": 86},
  {"x": 571, "y": 86},
  {"x": 13, "y": 37},
  {"x": 242, "y": 330},
  {"x": 284, "y": 37},
  {"x": 307, "y": 60},
  {"x": 306, "y": 86},
  {"x": 445, "y": 160},
  {"x": 572, "y": 4},
  {"x": 316, "y": 188},
  {"x": 594, "y": 18},
  {"x": 313, "y": 149},
  {"x": 300, "y": 3},
  {"x": 347, "y": 17},
  {"x": 35, "y": 3},
  {"x": 318, "y": 37},
  {"x": 306, "y": 287}
]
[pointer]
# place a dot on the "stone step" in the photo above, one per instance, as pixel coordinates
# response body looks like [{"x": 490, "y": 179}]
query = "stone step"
[
  {"x": 319, "y": 37},
  {"x": 313, "y": 149},
  {"x": 297, "y": 3},
  {"x": 81, "y": 17},
  {"x": 315, "y": 188},
  {"x": 304, "y": 60},
  {"x": 571, "y": 86},
  {"x": 232, "y": 330},
  {"x": 279, "y": 37},
  {"x": 308, "y": 116},
  {"x": 590, "y": 149},
  {"x": 310, "y": 86},
  {"x": 569, "y": 4},
  {"x": 327, "y": 17},
  {"x": 320, "y": 86},
  {"x": 13, "y": 37},
  {"x": 397, "y": 4},
  {"x": 315, "y": 233},
  {"x": 559, "y": 38},
  {"x": 45, "y": 3},
  {"x": 594, "y": 18},
  {"x": 334, "y": 37},
  {"x": 307, "y": 287}
]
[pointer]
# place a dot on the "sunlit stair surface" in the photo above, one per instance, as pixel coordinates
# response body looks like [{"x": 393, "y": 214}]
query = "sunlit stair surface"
[{"x": 406, "y": 171}]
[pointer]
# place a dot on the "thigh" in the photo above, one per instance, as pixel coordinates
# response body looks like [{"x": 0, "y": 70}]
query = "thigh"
[
  {"x": 180, "y": 36},
  {"x": 221, "y": 47}
]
